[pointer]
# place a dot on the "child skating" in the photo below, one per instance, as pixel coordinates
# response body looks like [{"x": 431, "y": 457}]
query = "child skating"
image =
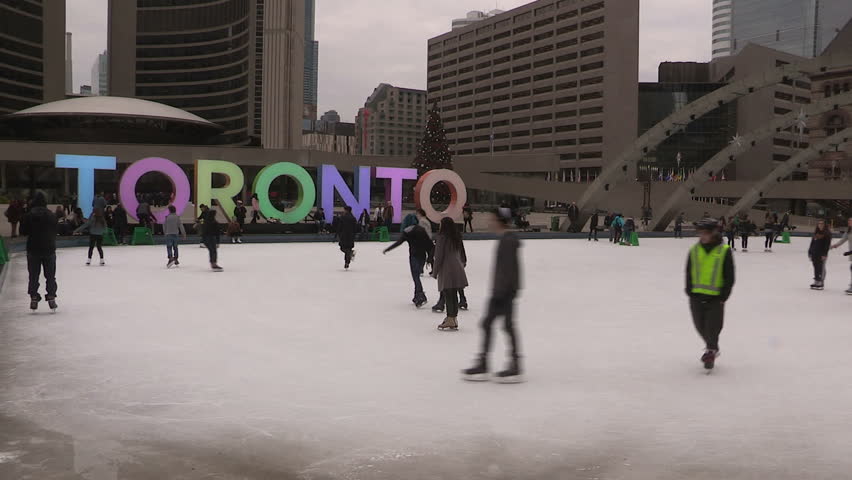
[
  {"x": 96, "y": 226},
  {"x": 709, "y": 281},
  {"x": 172, "y": 227},
  {"x": 818, "y": 253},
  {"x": 505, "y": 286}
]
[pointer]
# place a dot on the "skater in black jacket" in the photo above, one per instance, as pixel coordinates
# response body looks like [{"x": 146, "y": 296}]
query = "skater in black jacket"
[
  {"x": 210, "y": 235},
  {"x": 347, "y": 227},
  {"x": 593, "y": 226},
  {"x": 818, "y": 253},
  {"x": 419, "y": 245},
  {"x": 505, "y": 287},
  {"x": 709, "y": 281},
  {"x": 40, "y": 227},
  {"x": 746, "y": 228}
]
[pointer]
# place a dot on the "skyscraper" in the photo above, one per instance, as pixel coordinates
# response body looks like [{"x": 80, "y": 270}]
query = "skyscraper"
[
  {"x": 32, "y": 66},
  {"x": 237, "y": 63},
  {"x": 100, "y": 75},
  {"x": 798, "y": 27},
  {"x": 391, "y": 122},
  {"x": 69, "y": 65},
  {"x": 311, "y": 65}
]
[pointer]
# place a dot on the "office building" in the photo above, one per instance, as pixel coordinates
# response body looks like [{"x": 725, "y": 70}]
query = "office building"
[
  {"x": 32, "y": 54},
  {"x": 327, "y": 121},
  {"x": 473, "y": 17},
  {"x": 335, "y": 137},
  {"x": 311, "y": 66},
  {"x": 86, "y": 91},
  {"x": 237, "y": 63},
  {"x": 69, "y": 65},
  {"x": 392, "y": 121},
  {"x": 763, "y": 106},
  {"x": 555, "y": 76},
  {"x": 798, "y": 27},
  {"x": 100, "y": 75}
]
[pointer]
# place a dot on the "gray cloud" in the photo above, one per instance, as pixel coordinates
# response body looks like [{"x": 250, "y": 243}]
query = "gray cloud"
[{"x": 367, "y": 42}]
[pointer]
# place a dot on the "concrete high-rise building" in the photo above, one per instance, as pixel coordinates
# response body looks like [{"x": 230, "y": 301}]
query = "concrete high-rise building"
[
  {"x": 237, "y": 63},
  {"x": 86, "y": 90},
  {"x": 100, "y": 75},
  {"x": 69, "y": 65},
  {"x": 473, "y": 17},
  {"x": 392, "y": 121},
  {"x": 311, "y": 66},
  {"x": 798, "y": 27},
  {"x": 32, "y": 66},
  {"x": 552, "y": 76}
]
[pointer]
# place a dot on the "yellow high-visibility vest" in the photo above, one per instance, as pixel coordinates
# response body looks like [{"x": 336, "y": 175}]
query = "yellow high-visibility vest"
[{"x": 706, "y": 269}]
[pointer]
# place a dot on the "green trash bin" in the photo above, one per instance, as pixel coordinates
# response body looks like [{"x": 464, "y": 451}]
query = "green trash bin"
[
  {"x": 634, "y": 239},
  {"x": 383, "y": 234},
  {"x": 554, "y": 224},
  {"x": 142, "y": 236},
  {"x": 4, "y": 254}
]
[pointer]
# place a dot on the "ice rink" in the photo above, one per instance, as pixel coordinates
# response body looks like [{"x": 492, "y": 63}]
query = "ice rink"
[{"x": 287, "y": 367}]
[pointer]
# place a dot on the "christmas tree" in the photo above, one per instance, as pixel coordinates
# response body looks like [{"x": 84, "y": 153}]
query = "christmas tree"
[{"x": 433, "y": 153}]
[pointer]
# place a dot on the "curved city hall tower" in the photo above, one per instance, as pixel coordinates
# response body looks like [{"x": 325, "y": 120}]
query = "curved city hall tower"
[{"x": 237, "y": 63}]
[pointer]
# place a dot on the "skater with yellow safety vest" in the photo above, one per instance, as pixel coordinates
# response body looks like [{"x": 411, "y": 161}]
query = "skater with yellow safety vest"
[{"x": 709, "y": 280}]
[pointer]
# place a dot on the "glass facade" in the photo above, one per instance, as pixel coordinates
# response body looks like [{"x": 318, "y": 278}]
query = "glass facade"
[
  {"x": 311, "y": 58},
  {"x": 701, "y": 139},
  {"x": 798, "y": 27},
  {"x": 21, "y": 56}
]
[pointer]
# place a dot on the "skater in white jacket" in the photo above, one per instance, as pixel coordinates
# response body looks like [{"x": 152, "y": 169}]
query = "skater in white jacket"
[{"x": 847, "y": 239}]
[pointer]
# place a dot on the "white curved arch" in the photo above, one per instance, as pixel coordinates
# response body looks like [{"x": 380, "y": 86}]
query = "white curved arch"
[
  {"x": 786, "y": 168},
  {"x": 721, "y": 159}
]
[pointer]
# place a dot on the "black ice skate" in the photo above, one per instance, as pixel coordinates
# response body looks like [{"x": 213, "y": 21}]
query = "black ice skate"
[
  {"x": 171, "y": 263},
  {"x": 51, "y": 302},
  {"x": 463, "y": 303},
  {"x": 512, "y": 374},
  {"x": 709, "y": 359},
  {"x": 477, "y": 373},
  {"x": 34, "y": 302},
  {"x": 438, "y": 308},
  {"x": 217, "y": 268},
  {"x": 818, "y": 285},
  {"x": 420, "y": 300}
]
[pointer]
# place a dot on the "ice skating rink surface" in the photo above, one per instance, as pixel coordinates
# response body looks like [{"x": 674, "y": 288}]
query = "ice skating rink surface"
[{"x": 287, "y": 367}]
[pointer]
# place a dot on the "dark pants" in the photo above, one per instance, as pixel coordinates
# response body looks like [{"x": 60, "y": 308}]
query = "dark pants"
[
  {"x": 451, "y": 296},
  {"x": 442, "y": 299},
  {"x": 416, "y": 264},
  {"x": 500, "y": 307},
  {"x": 96, "y": 241},
  {"x": 731, "y": 236},
  {"x": 770, "y": 238},
  {"x": 347, "y": 255},
  {"x": 468, "y": 223},
  {"x": 678, "y": 231},
  {"x": 210, "y": 241},
  {"x": 14, "y": 229},
  {"x": 819, "y": 269},
  {"x": 617, "y": 238},
  {"x": 255, "y": 216},
  {"x": 172, "y": 246},
  {"x": 744, "y": 237},
  {"x": 593, "y": 233},
  {"x": 242, "y": 223},
  {"x": 119, "y": 233},
  {"x": 35, "y": 264},
  {"x": 709, "y": 318}
]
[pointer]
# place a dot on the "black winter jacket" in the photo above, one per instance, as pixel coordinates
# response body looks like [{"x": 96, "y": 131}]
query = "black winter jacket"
[
  {"x": 419, "y": 243},
  {"x": 40, "y": 227}
]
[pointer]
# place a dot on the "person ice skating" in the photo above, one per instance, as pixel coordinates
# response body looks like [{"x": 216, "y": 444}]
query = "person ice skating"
[
  {"x": 818, "y": 253},
  {"x": 770, "y": 230},
  {"x": 320, "y": 219},
  {"x": 172, "y": 227},
  {"x": 608, "y": 225},
  {"x": 467, "y": 213},
  {"x": 678, "y": 228},
  {"x": 746, "y": 229},
  {"x": 731, "y": 233},
  {"x": 119, "y": 220},
  {"x": 240, "y": 214},
  {"x": 593, "y": 226},
  {"x": 419, "y": 245},
  {"x": 96, "y": 226},
  {"x": 255, "y": 208},
  {"x": 573, "y": 215},
  {"x": 388, "y": 215},
  {"x": 14, "y": 214},
  {"x": 40, "y": 227},
  {"x": 347, "y": 227},
  {"x": 709, "y": 281},
  {"x": 847, "y": 239},
  {"x": 629, "y": 227},
  {"x": 505, "y": 286},
  {"x": 785, "y": 224},
  {"x": 210, "y": 235},
  {"x": 424, "y": 222},
  {"x": 99, "y": 202},
  {"x": 143, "y": 214},
  {"x": 450, "y": 259},
  {"x": 618, "y": 226}
]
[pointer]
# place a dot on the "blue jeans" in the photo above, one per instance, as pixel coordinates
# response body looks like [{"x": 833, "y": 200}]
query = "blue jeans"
[
  {"x": 172, "y": 246},
  {"x": 416, "y": 269}
]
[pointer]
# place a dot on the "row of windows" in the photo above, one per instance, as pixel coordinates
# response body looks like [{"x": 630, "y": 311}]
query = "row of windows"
[
  {"x": 21, "y": 91},
  {"x": 188, "y": 103},
  {"x": 13, "y": 104},
  {"x": 195, "y": 76},
  {"x": 20, "y": 47},
  {"x": 196, "y": 37},
  {"x": 19, "y": 76},
  {"x": 21, "y": 26},
  {"x": 19, "y": 62},
  {"x": 835, "y": 89},
  {"x": 201, "y": 17},
  {"x": 193, "y": 63},
  {"x": 23, "y": 6},
  {"x": 194, "y": 51},
  {"x": 589, "y": 67}
]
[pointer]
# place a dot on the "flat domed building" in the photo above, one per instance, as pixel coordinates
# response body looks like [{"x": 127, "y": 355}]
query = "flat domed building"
[{"x": 106, "y": 119}]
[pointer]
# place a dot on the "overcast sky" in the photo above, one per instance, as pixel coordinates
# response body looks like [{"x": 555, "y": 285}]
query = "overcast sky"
[{"x": 367, "y": 42}]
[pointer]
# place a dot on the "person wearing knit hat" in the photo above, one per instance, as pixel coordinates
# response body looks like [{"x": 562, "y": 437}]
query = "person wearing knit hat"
[
  {"x": 504, "y": 289},
  {"x": 419, "y": 245}
]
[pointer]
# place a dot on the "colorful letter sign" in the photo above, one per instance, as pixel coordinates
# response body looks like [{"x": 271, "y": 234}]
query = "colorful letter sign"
[
  {"x": 204, "y": 191},
  {"x": 127, "y": 186},
  {"x": 86, "y": 166},
  {"x": 458, "y": 194},
  {"x": 394, "y": 177},
  {"x": 307, "y": 191},
  {"x": 330, "y": 181}
]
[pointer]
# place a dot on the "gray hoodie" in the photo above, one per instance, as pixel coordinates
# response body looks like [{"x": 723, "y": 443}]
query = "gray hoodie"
[
  {"x": 847, "y": 237},
  {"x": 172, "y": 225},
  {"x": 94, "y": 227}
]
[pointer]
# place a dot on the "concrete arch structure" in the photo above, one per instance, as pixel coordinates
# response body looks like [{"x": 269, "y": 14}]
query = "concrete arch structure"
[
  {"x": 759, "y": 189},
  {"x": 724, "y": 157},
  {"x": 622, "y": 167}
]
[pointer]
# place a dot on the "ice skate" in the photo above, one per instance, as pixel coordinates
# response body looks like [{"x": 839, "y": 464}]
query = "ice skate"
[
  {"x": 239, "y": 240},
  {"x": 438, "y": 308},
  {"x": 512, "y": 373},
  {"x": 477, "y": 373},
  {"x": 217, "y": 268},
  {"x": 849, "y": 291},
  {"x": 34, "y": 302},
  {"x": 171, "y": 263},
  {"x": 51, "y": 302},
  {"x": 177, "y": 262},
  {"x": 88, "y": 262},
  {"x": 709, "y": 359},
  {"x": 818, "y": 285},
  {"x": 450, "y": 324},
  {"x": 352, "y": 256},
  {"x": 103, "y": 262},
  {"x": 420, "y": 300},
  {"x": 745, "y": 250}
]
